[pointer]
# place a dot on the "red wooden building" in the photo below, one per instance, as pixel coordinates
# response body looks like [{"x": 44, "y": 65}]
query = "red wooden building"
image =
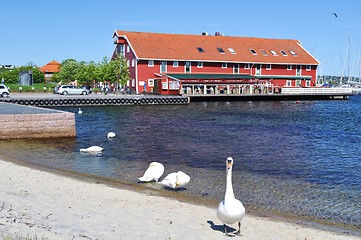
[{"x": 204, "y": 64}]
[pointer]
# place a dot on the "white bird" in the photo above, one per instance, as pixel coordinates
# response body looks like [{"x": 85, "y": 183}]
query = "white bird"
[
  {"x": 92, "y": 149},
  {"x": 111, "y": 135},
  {"x": 153, "y": 173},
  {"x": 176, "y": 180},
  {"x": 80, "y": 111},
  {"x": 230, "y": 210}
]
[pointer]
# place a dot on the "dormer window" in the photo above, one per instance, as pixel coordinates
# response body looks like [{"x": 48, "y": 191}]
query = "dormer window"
[
  {"x": 283, "y": 53},
  {"x": 200, "y": 49},
  {"x": 220, "y": 50},
  {"x": 231, "y": 50},
  {"x": 293, "y": 53},
  {"x": 274, "y": 53},
  {"x": 253, "y": 51},
  {"x": 264, "y": 53}
]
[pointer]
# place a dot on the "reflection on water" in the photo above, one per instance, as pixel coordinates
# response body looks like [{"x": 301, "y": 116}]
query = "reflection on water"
[{"x": 300, "y": 159}]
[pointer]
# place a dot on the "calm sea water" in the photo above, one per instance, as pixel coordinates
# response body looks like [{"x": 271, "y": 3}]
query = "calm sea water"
[{"x": 302, "y": 159}]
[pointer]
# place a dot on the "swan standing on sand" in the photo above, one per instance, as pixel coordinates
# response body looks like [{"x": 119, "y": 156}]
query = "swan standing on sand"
[
  {"x": 92, "y": 149},
  {"x": 153, "y": 173},
  {"x": 176, "y": 180},
  {"x": 230, "y": 210},
  {"x": 111, "y": 135}
]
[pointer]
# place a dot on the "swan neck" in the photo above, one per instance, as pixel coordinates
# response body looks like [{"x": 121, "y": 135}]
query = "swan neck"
[{"x": 229, "y": 187}]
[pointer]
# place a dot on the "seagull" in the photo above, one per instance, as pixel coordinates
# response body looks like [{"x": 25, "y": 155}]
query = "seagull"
[
  {"x": 335, "y": 14},
  {"x": 80, "y": 111},
  {"x": 176, "y": 180},
  {"x": 111, "y": 135},
  {"x": 92, "y": 149},
  {"x": 230, "y": 210},
  {"x": 153, "y": 173}
]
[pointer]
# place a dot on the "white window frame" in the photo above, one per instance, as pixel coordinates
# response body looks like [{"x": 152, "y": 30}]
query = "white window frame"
[
  {"x": 236, "y": 68},
  {"x": 199, "y": 64},
  {"x": 224, "y": 65},
  {"x": 151, "y": 82},
  {"x": 293, "y": 53},
  {"x": 274, "y": 53},
  {"x": 289, "y": 83},
  {"x": 175, "y": 64},
  {"x": 289, "y": 67},
  {"x": 308, "y": 83},
  {"x": 133, "y": 62},
  {"x": 128, "y": 63},
  {"x": 247, "y": 65},
  {"x": 190, "y": 66},
  {"x": 283, "y": 52},
  {"x": 231, "y": 50},
  {"x": 308, "y": 68},
  {"x": 163, "y": 64},
  {"x": 254, "y": 52},
  {"x": 128, "y": 48},
  {"x": 150, "y": 63},
  {"x": 268, "y": 66}
]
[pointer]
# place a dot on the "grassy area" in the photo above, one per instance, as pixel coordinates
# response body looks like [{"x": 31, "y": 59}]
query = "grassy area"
[{"x": 37, "y": 87}]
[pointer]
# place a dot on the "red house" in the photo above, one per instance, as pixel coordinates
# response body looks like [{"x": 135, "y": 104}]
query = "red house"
[{"x": 203, "y": 64}]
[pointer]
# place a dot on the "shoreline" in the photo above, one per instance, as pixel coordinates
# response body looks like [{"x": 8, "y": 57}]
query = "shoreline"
[{"x": 61, "y": 205}]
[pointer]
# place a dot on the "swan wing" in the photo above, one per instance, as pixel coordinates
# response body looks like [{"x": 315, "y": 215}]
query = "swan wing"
[{"x": 153, "y": 173}]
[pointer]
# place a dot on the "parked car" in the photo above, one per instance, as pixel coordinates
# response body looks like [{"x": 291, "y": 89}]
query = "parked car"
[
  {"x": 4, "y": 91},
  {"x": 70, "y": 89}
]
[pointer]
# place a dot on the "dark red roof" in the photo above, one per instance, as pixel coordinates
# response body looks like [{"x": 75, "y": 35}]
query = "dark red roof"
[{"x": 188, "y": 47}]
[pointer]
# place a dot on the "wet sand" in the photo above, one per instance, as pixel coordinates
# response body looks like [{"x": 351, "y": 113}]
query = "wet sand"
[{"x": 37, "y": 202}]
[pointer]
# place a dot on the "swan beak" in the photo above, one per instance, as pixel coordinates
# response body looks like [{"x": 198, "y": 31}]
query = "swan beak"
[{"x": 229, "y": 164}]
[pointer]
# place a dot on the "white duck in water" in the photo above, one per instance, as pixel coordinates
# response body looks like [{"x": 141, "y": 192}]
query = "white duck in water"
[
  {"x": 80, "y": 111},
  {"x": 230, "y": 210},
  {"x": 153, "y": 173},
  {"x": 111, "y": 135},
  {"x": 176, "y": 180},
  {"x": 92, "y": 149}
]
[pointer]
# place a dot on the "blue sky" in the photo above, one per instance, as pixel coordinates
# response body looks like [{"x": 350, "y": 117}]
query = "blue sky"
[{"x": 40, "y": 31}]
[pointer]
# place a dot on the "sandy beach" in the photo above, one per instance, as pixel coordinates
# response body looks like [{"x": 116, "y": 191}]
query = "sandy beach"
[{"x": 49, "y": 205}]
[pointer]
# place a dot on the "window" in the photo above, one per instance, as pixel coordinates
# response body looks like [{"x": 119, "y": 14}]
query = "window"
[
  {"x": 199, "y": 64},
  {"x": 298, "y": 70},
  {"x": 200, "y": 49},
  {"x": 151, "y": 82},
  {"x": 247, "y": 66},
  {"x": 150, "y": 63},
  {"x": 220, "y": 50},
  {"x": 187, "y": 67},
  {"x": 253, "y": 51},
  {"x": 163, "y": 66},
  {"x": 128, "y": 63},
  {"x": 289, "y": 83},
  {"x": 224, "y": 65},
  {"x": 274, "y": 53},
  {"x": 236, "y": 68},
  {"x": 289, "y": 67},
  {"x": 264, "y": 53},
  {"x": 298, "y": 83},
  {"x": 268, "y": 66},
  {"x": 308, "y": 83},
  {"x": 308, "y": 67},
  {"x": 283, "y": 53},
  {"x": 175, "y": 64},
  {"x": 293, "y": 53},
  {"x": 231, "y": 50},
  {"x": 133, "y": 62},
  {"x": 128, "y": 48}
]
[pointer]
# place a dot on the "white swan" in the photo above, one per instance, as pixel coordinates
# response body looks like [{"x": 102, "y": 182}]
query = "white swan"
[
  {"x": 80, "y": 111},
  {"x": 111, "y": 135},
  {"x": 230, "y": 210},
  {"x": 92, "y": 149},
  {"x": 153, "y": 173},
  {"x": 176, "y": 180}
]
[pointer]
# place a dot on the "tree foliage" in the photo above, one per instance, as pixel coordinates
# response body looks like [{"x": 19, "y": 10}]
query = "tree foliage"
[
  {"x": 111, "y": 71},
  {"x": 12, "y": 75}
]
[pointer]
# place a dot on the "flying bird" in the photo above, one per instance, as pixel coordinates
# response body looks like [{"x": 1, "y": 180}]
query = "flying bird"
[
  {"x": 335, "y": 14},
  {"x": 230, "y": 210}
]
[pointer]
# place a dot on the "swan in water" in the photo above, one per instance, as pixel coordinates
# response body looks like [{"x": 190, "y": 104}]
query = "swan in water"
[
  {"x": 80, "y": 111},
  {"x": 111, "y": 135},
  {"x": 153, "y": 173},
  {"x": 92, "y": 149},
  {"x": 230, "y": 210},
  {"x": 176, "y": 180}
]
